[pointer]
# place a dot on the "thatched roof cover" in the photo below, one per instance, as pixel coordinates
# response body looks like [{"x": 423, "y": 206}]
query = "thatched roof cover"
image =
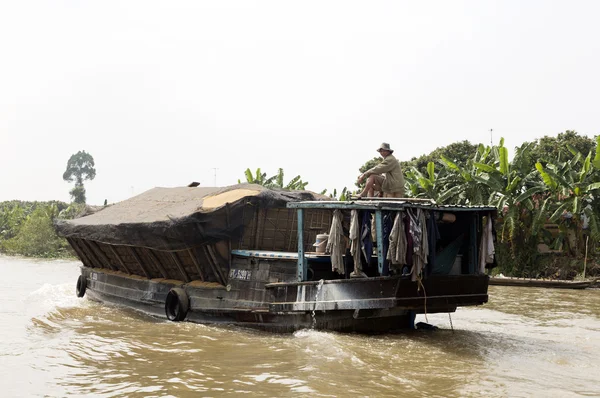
[{"x": 177, "y": 218}]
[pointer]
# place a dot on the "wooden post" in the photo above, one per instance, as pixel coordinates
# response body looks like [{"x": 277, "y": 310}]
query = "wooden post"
[
  {"x": 119, "y": 259},
  {"x": 261, "y": 214},
  {"x": 90, "y": 253},
  {"x": 473, "y": 245},
  {"x": 158, "y": 264},
  {"x": 302, "y": 266},
  {"x": 210, "y": 264},
  {"x": 177, "y": 262},
  {"x": 195, "y": 261},
  {"x": 379, "y": 233},
  {"x": 228, "y": 215},
  {"x": 139, "y": 261},
  {"x": 84, "y": 258},
  {"x": 102, "y": 255},
  {"x": 212, "y": 252},
  {"x": 585, "y": 258}
]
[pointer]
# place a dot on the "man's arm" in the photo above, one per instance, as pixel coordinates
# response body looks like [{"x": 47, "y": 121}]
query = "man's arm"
[{"x": 383, "y": 167}]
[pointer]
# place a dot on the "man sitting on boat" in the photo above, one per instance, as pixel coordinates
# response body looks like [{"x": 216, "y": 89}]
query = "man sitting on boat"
[{"x": 386, "y": 177}]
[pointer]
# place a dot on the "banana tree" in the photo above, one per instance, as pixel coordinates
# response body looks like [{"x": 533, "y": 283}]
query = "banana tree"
[
  {"x": 275, "y": 181},
  {"x": 433, "y": 185},
  {"x": 474, "y": 189},
  {"x": 514, "y": 194},
  {"x": 258, "y": 178},
  {"x": 573, "y": 186}
]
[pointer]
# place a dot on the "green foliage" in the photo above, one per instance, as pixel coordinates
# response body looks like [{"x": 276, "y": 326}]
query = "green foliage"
[
  {"x": 27, "y": 229},
  {"x": 275, "y": 181},
  {"x": 73, "y": 211},
  {"x": 562, "y": 188},
  {"x": 572, "y": 185},
  {"x": 343, "y": 196},
  {"x": 80, "y": 167},
  {"x": 457, "y": 152},
  {"x": 78, "y": 194},
  {"x": 551, "y": 149}
]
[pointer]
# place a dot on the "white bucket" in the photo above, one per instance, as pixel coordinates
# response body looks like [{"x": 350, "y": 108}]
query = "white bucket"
[{"x": 321, "y": 243}]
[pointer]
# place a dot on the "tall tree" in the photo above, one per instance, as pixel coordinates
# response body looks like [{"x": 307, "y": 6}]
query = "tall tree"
[
  {"x": 458, "y": 152},
  {"x": 550, "y": 149},
  {"x": 80, "y": 168}
]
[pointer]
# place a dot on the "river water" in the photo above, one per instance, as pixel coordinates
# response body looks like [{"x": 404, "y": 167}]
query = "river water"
[{"x": 524, "y": 342}]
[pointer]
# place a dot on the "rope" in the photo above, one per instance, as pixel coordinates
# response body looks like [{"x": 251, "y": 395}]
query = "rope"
[{"x": 451, "y": 325}]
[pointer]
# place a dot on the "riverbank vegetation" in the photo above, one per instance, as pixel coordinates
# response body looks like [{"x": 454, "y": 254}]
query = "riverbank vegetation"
[{"x": 26, "y": 228}]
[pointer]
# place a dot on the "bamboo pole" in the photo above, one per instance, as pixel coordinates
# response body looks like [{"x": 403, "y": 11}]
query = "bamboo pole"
[{"x": 585, "y": 258}]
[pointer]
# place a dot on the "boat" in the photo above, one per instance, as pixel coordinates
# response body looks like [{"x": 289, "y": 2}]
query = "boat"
[
  {"x": 547, "y": 283},
  {"x": 245, "y": 255}
]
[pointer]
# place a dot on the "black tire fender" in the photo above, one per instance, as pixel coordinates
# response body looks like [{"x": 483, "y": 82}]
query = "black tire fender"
[
  {"x": 177, "y": 304},
  {"x": 81, "y": 286}
]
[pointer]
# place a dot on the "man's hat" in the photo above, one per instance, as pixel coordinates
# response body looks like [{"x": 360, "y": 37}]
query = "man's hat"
[{"x": 385, "y": 147}]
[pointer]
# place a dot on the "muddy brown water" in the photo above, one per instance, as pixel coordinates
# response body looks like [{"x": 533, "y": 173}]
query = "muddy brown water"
[{"x": 524, "y": 342}]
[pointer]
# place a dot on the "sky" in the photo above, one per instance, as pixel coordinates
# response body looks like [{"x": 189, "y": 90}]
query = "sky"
[{"x": 170, "y": 92}]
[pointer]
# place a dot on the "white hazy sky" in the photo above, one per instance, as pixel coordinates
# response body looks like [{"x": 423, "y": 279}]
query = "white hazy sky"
[{"x": 160, "y": 93}]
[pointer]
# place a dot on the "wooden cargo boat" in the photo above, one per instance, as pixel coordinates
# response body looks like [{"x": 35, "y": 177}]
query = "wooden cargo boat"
[
  {"x": 244, "y": 255},
  {"x": 546, "y": 283}
]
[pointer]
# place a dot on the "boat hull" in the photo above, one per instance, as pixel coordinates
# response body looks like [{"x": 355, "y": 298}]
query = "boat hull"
[{"x": 361, "y": 305}]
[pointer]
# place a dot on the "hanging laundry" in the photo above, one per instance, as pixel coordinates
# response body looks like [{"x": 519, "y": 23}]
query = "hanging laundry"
[
  {"x": 486, "y": 246},
  {"x": 409, "y": 246},
  {"x": 388, "y": 223},
  {"x": 336, "y": 244},
  {"x": 398, "y": 243},
  {"x": 356, "y": 245},
  {"x": 365, "y": 236},
  {"x": 418, "y": 231}
]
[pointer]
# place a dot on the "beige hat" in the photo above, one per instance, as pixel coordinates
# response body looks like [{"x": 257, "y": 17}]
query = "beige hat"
[{"x": 385, "y": 147}]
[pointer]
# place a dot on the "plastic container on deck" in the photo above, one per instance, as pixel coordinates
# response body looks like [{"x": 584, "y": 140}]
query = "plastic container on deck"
[
  {"x": 457, "y": 266},
  {"x": 321, "y": 243}
]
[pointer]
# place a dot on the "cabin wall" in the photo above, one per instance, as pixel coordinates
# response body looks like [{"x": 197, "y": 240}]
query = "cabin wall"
[{"x": 276, "y": 229}]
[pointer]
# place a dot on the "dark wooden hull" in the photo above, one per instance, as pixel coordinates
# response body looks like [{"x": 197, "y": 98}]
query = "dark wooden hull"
[
  {"x": 364, "y": 305},
  {"x": 546, "y": 283}
]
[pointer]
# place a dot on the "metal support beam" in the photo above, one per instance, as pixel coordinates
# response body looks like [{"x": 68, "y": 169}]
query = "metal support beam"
[
  {"x": 302, "y": 265},
  {"x": 382, "y": 205},
  {"x": 379, "y": 232}
]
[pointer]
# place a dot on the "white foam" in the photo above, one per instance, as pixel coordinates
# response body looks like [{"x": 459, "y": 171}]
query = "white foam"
[{"x": 49, "y": 297}]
